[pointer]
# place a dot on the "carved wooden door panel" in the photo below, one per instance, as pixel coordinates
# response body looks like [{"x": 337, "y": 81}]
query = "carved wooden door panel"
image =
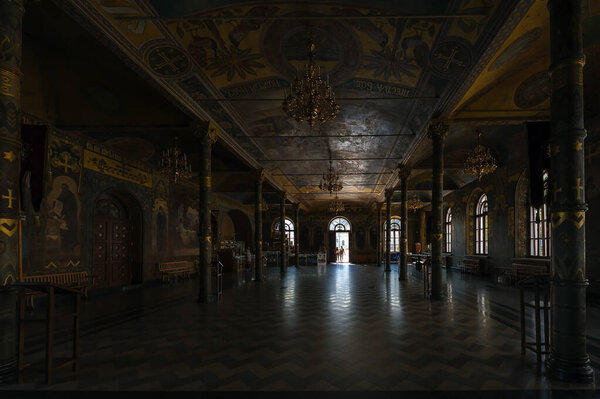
[
  {"x": 100, "y": 254},
  {"x": 120, "y": 251},
  {"x": 112, "y": 246}
]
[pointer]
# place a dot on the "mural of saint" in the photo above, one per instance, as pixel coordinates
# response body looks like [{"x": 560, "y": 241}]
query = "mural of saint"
[
  {"x": 62, "y": 226},
  {"x": 187, "y": 226}
]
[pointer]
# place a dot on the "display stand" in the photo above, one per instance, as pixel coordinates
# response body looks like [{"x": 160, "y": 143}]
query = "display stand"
[{"x": 50, "y": 290}]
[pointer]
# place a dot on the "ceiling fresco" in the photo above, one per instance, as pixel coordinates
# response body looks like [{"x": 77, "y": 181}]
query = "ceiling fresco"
[{"x": 229, "y": 61}]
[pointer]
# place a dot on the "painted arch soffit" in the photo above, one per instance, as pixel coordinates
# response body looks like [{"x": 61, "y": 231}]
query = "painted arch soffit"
[{"x": 197, "y": 60}]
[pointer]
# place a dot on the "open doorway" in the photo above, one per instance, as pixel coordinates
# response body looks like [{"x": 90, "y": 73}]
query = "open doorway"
[
  {"x": 341, "y": 242},
  {"x": 339, "y": 230}
]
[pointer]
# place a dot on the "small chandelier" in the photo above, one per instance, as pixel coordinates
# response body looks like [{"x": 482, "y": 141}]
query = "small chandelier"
[
  {"x": 330, "y": 181},
  {"x": 336, "y": 206},
  {"x": 414, "y": 203},
  {"x": 311, "y": 99},
  {"x": 174, "y": 163},
  {"x": 480, "y": 161}
]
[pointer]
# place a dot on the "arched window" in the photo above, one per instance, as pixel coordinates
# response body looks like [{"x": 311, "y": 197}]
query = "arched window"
[
  {"x": 539, "y": 226},
  {"x": 289, "y": 230},
  {"x": 339, "y": 224},
  {"x": 448, "y": 230},
  {"x": 395, "y": 225},
  {"x": 481, "y": 226}
]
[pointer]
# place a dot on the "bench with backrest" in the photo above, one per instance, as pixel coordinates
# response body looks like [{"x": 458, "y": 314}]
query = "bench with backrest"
[
  {"x": 471, "y": 265},
  {"x": 77, "y": 280},
  {"x": 182, "y": 268},
  {"x": 521, "y": 270},
  {"x": 525, "y": 270}
]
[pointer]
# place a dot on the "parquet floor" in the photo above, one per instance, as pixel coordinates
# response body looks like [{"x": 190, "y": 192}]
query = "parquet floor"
[{"x": 339, "y": 327}]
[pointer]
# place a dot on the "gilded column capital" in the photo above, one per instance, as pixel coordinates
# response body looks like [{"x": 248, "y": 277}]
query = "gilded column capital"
[
  {"x": 389, "y": 192},
  {"x": 404, "y": 171},
  {"x": 437, "y": 128},
  {"x": 206, "y": 130},
  {"x": 260, "y": 175},
  {"x": 283, "y": 196}
]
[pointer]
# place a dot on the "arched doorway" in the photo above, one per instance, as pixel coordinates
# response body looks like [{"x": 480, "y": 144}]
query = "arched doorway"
[
  {"x": 339, "y": 237},
  {"x": 117, "y": 240}
]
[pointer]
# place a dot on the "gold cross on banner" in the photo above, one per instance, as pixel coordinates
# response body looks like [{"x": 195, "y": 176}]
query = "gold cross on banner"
[{"x": 10, "y": 198}]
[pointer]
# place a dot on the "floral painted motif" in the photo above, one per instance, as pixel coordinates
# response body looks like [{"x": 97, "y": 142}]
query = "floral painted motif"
[
  {"x": 390, "y": 62},
  {"x": 234, "y": 61}
]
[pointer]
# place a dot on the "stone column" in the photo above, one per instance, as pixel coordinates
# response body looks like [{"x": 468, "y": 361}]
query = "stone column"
[
  {"x": 11, "y": 14},
  {"x": 282, "y": 264},
  {"x": 379, "y": 206},
  {"x": 437, "y": 133},
  {"x": 422, "y": 229},
  {"x": 569, "y": 360},
  {"x": 388, "y": 228},
  {"x": 403, "y": 173},
  {"x": 207, "y": 135},
  {"x": 297, "y": 233},
  {"x": 258, "y": 270}
]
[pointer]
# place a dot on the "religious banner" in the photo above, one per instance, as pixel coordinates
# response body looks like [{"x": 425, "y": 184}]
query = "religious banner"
[{"x": 115, "y": 168}]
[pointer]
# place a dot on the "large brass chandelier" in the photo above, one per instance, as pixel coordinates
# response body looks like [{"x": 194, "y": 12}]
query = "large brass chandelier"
[
  {"x": 331, "y": 180},
  {"x": 480, "y": 161},
  {"x": 414, "y": 203},
  {"x": 311, "y": 99},
  {"x": 336, "y": 206},
  {"x": 174, "y": 163}
]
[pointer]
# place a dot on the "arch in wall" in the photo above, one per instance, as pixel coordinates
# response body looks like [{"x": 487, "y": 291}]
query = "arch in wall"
[
  {"x": 470, "y": 220},
  {"x": 118, "y": 239},
  {"x": 339, "y": 236},
  {"x": 241, "y": 225},
  {"x": 227, "y": 228}
]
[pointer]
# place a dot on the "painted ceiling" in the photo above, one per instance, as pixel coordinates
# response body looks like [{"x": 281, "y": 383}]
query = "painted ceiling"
[{"x": 228, "y": 62}]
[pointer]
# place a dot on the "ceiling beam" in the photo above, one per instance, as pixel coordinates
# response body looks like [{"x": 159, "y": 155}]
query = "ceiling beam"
[{"x": 130, "y": 17}]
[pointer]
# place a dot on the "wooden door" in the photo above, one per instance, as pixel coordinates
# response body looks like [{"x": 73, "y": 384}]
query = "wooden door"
[{"x": 112, "y": 247}]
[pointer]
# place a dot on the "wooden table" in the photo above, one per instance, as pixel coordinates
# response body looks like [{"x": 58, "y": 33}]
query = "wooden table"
[{"x": 51, "y": 290}]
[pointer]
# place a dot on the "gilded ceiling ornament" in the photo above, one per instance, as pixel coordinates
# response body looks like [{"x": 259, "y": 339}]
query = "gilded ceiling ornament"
[
  {"x": 311, "y": 99},
  {"x": 174, "y": 163},
  {"x": 414, "y": 203},
  {"x": 480, "y": 161},
  {"x": 336, "y": 206},
  {"x": 330, "y": 180}
]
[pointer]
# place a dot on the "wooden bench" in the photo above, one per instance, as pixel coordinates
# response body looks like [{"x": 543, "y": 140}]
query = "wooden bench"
[
  {"x": 471, "y": 265},
  {"x": 524, "y": 270},
  {"x": 77, "y": 280},
  {"x": 178, "y": 268},
  {"x": 519, "y": 271}
]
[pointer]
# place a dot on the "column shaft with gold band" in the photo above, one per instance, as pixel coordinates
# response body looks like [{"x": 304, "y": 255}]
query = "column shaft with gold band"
[
  {"x": 11, "y": 15},
  {"x": 282, "y": 263},
  {"x": 297, "y": 233},
  {"x": 403, "y": 173},
  {"x": 205, "y": 133},
  {"x": 258, "y": 267},
  {"x": 568, "y": 360},
  {"x": 379, "y": 206},
  {"x": 437, "y": 131},
  {"x": 388, "y": 229}
]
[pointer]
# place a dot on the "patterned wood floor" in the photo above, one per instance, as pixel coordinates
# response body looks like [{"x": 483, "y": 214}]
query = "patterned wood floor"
[{"x": 340, "y": 327}]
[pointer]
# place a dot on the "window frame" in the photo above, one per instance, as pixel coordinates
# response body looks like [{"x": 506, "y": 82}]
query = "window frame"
[
  {"x": 395, "y": 233},
  {"x": 448, "y": 231},
  {"x": 290, "y": 229},
  {"x": 482, "y": 226},
  {"x": 540, "y": 232}
]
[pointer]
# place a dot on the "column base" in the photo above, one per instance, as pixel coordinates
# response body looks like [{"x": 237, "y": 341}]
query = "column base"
[{"x": 570, "y": 372}]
